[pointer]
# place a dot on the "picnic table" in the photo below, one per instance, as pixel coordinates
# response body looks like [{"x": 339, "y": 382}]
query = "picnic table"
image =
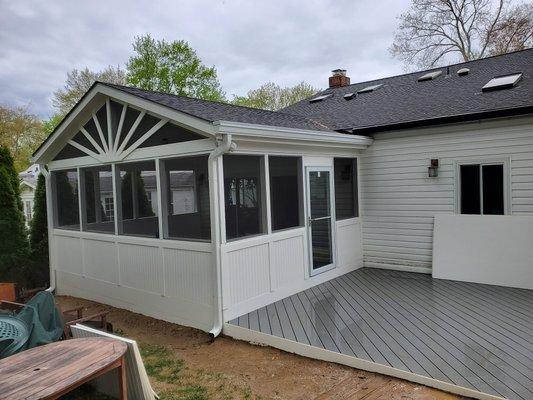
[{"x": 51, "y": 371}]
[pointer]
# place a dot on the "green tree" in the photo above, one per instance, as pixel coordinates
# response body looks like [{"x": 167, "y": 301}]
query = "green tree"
[
  {"x": 144, "y": 209},
  {"x": 67, "y": 198},
  {"x": 77, "y": 84},
  {"x": 21, "y": 132},
  {"x": 7, "y": 163},
  {"x": 51, "y": 123},
  {"x": 38, "y": 270},
  {"x": 14, "y": 241},
  {"x": 171, "y": 68},
  {"x": 273, "y": 97},
  {"x": 39, "y": 222}
]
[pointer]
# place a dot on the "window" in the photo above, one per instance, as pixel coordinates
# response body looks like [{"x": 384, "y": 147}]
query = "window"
[
  {"x": 243, "y": 191},
  {"x": 187, "y": 198},
  {"x": 138, "y": 217},
  {"x": 482, "y": 189},
  {"x": 28, "y": 207},
  {"x": 97, "y": 198},
  {"x": 65, "y": 188},
  {"x": 502, "y": 82},
  {"x": 285, "y": 192},
  {"x": 346, "y": 191}
]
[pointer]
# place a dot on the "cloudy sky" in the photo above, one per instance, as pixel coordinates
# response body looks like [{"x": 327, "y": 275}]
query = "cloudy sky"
[{"x": 249, "y": 42}]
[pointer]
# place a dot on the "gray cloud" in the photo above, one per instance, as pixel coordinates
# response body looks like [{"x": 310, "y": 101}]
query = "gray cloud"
[{"x": 250, "y": 42}]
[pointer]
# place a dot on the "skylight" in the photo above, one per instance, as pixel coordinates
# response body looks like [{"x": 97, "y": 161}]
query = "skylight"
[
  {"x": 369, "y": 88},
  {"x": 502, "y": 82},
  {"x": 349, "y": 96},
  {"x": 430, "y": 76},
  {"x": 320, "y": 98}
]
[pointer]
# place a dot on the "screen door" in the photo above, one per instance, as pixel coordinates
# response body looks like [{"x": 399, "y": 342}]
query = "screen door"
[{"x": 320, "y": 221}]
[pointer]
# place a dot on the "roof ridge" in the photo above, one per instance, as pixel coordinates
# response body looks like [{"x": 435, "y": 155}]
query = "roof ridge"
[
  {"x": 215, "y": 102},
  {"x": 427, "y": 70}
]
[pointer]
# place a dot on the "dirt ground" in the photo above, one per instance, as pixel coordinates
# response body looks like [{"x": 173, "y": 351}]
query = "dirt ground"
[{"x": 186, "y": 364}]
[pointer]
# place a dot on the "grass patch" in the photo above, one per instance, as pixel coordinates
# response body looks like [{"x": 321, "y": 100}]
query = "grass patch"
[{"x": 160, "y": 363}]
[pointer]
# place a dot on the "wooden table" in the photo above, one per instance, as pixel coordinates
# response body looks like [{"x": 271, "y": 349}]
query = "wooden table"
[{"x": 50, "y": 371}]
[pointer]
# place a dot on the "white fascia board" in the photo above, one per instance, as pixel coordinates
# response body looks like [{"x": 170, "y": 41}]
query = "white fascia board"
[
  {"x": 197, "y": 125},
  {"x": 254, "y": 132}
]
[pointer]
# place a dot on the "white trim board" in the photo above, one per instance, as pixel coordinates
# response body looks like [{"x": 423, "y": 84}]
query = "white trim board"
[{"x": 306, "y": 350}]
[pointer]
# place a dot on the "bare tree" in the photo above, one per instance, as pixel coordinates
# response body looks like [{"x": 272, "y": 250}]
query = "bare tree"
[
  {"x": 79, "y": 81},
  {"x": 432, "y": 32}
]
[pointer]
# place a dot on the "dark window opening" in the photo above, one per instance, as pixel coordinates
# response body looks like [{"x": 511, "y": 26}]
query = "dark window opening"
[
  {"x": 346, "y": 196},
  {"x": 243, "y": 195},
  {"x": 65, "y": 185},
  {"x": 482, "y": 189},
  {"x": 187, "y": 184},
  {"x": 493, "y": 202},
  {"x": 98, "y": 200},
  {"x": 139, "y": 199},
  {"x": 285, "y": 192}
]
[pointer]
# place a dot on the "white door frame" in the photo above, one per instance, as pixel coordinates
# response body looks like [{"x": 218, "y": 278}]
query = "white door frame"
[{"x": 308, "y": 170}]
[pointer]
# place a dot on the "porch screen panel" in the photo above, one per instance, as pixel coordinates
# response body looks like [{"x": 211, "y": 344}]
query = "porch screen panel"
[
  {"x": 66, "y": 207},
  {"x": 99, "y": 200},
  {"x": 243, "y": 191},
  {"x": 138, "y": 188},
  {"x": 285, "y": 192},
  {"x": 188, "y": 215},
  {"x": 346, "y": 191}
]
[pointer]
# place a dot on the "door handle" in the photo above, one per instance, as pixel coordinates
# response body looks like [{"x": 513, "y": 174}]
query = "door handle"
[{"x": 318, "y": 219}]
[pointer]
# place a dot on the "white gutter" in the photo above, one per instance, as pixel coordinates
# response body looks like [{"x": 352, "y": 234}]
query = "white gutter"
[
  {"x": 50, "y": 223},
  {"x": 261, "y": 132},
  {"x": 225, "y": 146}
]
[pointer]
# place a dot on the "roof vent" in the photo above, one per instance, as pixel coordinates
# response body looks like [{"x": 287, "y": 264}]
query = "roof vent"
[
  {"x": 320, "y": 98},
  {"x": 463, "y": 71},
  {"x": 369, "y": 89},
  {"x": 430, "y": 76},
  {"x": 502, "y": 82},
  {"x": 349, "y": 96}
]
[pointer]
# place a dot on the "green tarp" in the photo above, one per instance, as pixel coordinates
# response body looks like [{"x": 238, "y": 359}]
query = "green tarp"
[{"x": 43, "y": 321}]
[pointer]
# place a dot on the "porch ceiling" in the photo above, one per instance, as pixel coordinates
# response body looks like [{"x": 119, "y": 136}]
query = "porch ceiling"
[{"x": 469, "y": 335}]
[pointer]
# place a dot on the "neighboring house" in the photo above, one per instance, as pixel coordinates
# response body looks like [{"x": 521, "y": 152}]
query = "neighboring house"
[
  {"x": 209, "y": 211},
  {"x": 28, "y": 184}
]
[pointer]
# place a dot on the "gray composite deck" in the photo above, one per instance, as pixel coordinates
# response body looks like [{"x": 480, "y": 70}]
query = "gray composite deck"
[{"x": 472, "y": 335}]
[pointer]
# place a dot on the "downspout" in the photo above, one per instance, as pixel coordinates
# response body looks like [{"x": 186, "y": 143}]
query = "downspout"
[
  {"x": 223, "y": 147},
  {"x": 50, "y": 223}
]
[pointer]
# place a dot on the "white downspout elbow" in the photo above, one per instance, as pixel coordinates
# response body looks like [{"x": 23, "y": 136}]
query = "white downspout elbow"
[{"x": 214, "y": 194}]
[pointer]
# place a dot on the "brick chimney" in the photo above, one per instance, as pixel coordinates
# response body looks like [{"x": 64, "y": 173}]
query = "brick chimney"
[{"x": 339, "y": 78}]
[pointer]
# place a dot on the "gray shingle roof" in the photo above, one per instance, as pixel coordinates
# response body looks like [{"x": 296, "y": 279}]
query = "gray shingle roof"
[
  {"x": 402, "y": 100},
  {"x": 214, "y": 111}
]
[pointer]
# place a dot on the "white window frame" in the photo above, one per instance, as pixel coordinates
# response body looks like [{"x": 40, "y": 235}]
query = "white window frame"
[{"x": 506, "y": 162}]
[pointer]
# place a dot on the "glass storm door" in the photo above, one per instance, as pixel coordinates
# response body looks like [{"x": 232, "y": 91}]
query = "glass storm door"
[{"x": 320, "y": 220}]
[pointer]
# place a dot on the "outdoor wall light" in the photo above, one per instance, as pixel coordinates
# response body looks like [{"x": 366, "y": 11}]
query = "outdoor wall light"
[{"x": 433, "y": 169}]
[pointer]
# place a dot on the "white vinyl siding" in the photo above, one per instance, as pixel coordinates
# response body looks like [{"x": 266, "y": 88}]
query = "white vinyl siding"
[{"x": 399, "y": 200}]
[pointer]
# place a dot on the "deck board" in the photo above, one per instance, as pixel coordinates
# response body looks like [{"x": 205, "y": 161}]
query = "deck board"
[{"x": 472, "y": 335}]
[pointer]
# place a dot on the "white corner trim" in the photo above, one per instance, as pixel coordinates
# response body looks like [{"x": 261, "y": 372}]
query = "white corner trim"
[
  {"x": 262, "y": 132},
  {"x": 254, "y": 337}
]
